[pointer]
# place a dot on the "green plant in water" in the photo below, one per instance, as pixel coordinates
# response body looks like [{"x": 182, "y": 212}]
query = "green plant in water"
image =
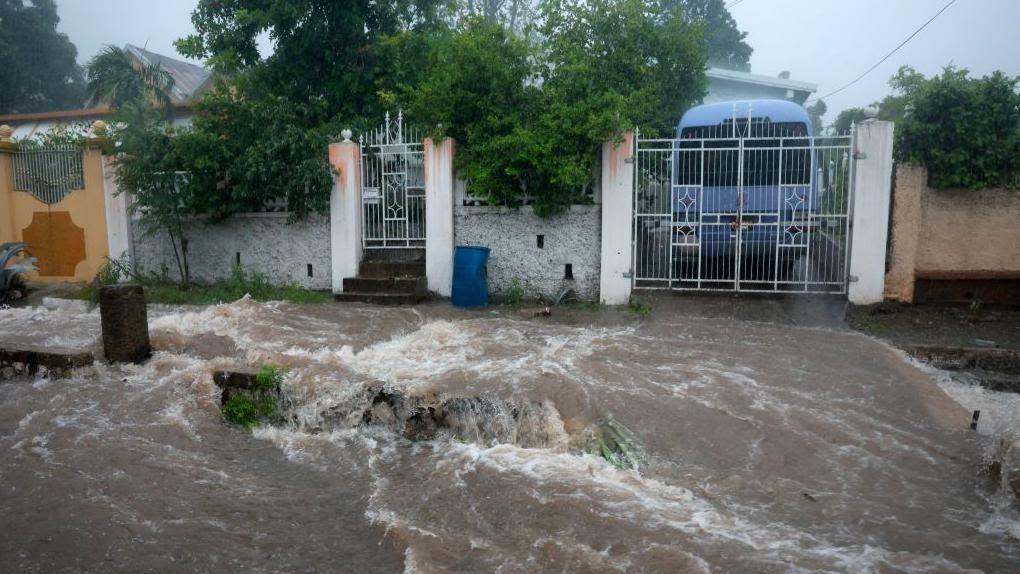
[
  {"x": 515, "y": 293},
  {"x": 259, "y": 405},
  {"x": 613, "y": 442},
  {"x": 269, "y": 378},
  {"x": 248, "y": 411},
  {"x": 639, "y": 308}
]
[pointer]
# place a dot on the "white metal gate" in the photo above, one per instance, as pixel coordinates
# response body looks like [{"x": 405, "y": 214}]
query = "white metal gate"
[
  {"x": 392, "y": 186},
  {"x": 743, "y": 206}
]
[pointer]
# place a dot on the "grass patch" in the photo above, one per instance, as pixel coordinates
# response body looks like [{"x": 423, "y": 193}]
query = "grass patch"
[
  {"x": 589, "y": 305},
  {"x": 261, "y": 404},
  {"x": 639, "y": 308},
  {"x": 160, "y": 289}
]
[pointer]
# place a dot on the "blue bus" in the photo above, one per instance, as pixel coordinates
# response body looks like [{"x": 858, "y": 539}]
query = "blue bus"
[{"x": 742, "y": 189}]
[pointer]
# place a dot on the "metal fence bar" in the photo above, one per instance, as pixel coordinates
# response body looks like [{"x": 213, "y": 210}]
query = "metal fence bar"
[
  {"x": 748, "y": 207},
  {"x": 49, "y": 173},
  {"x": 393, "y": 186}
]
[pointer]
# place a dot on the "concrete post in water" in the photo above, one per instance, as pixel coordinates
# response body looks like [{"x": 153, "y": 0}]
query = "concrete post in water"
[
  {"x": 125, "y": 323},
  {"x": 617, "y": 211},
  {"x": 345, "y": 210},
  {"x": 439, "y": 215},
  {"x": 873, "y": 147}
]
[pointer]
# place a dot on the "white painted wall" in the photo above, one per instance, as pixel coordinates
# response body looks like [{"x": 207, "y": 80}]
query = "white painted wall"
[
  {"x": 873, "y": 146},
  {"x": 439, "y": 193},
  {"x": 118, "y": 216},
  {"x": 345, "y": 212},
  {"x": 617, "y": 211}
]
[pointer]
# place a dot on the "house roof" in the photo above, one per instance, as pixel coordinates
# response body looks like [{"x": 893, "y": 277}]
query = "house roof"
[
  {"x": 189, "y": 80},
  {"x": 749, "y": 78}
]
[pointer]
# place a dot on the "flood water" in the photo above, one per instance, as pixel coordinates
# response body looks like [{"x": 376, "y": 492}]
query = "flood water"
[{"x": 764, "y": 448}]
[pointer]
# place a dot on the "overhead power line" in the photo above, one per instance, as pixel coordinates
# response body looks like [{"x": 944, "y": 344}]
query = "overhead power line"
[
  {"x": 887, "y": 56},
  {"x": 734, "y": 3}
]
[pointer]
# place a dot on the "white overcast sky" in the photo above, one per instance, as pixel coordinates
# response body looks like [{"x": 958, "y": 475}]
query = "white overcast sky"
[{"x": 828, "y": 42}]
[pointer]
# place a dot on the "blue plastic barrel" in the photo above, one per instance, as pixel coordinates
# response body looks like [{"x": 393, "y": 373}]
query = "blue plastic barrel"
[{"x": 470, "y": 282}]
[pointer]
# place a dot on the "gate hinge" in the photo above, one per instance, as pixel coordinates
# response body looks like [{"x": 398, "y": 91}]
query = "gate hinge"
[
  {"x": 628, "y": 274},
  {"x": 860, "y": 155},
  {"x": 628, "y": 159},
  {"x": 853, "y": 279}
]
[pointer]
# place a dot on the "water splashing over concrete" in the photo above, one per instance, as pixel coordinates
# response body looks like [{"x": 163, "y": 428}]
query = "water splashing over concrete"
[{"x": 759, "y": 448}]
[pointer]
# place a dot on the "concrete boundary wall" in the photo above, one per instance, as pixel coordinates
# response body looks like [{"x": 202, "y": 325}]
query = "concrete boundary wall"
[
  {"x": 952, "y": 235},
  {"x": 263, "y": 242},
  {"x": 536, "y": 250}
]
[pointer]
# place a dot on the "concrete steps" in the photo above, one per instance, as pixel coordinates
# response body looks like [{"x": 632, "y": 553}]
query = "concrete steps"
[{"x": 388, "y": 277}]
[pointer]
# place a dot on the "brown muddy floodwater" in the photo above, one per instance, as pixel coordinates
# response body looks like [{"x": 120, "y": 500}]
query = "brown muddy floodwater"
[{"x": 764, "y": 448}]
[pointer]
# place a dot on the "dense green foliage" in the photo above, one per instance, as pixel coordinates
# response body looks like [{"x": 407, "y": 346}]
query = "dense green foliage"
[
  {"x": 323, "y": 50},
  {"x": 530, "y": 119},
  {"x": 965, "y": 130},
  {"x": 530, "y": 108},
  {"x": 37, "y": 63}
]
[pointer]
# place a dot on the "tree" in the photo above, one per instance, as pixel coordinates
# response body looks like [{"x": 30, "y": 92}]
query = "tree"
[
  {"x": 965, "y": 130},
  {"x": 38, "y": 70},
  {"x": 477, "y": 92},
  {"x": 116, "y": 79},
  {"x": 724, "y": 42},
  {"x": 530, "y": 119},
  {"x": 159, "y": 181},
  {"x": 323, "y": 49},
  {"x": 816, "y": 112},
  {"x": 846, "y": 118}
]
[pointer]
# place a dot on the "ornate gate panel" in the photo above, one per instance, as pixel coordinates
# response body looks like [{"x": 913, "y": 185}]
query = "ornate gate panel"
[
  {"x": 752, "y": 207},
  {"x": 393, "y": 186}
]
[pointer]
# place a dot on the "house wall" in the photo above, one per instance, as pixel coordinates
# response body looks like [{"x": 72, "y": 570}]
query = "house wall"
[
  {"x": 952, "y": 235},
  {"x": 512, "y": 235},
  {"x": 265, "y": 241},
  {"x": 68, "y": 237}
]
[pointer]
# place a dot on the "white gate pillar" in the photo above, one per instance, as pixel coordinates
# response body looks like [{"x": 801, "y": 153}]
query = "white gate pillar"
[
  {"x": 439, "y": 215},
  {"x": 118, "y": 213},
  {"x": 873, "y": 147},
  {"x": 345, "y": 211},
  {"x": 617, "y": 215}
]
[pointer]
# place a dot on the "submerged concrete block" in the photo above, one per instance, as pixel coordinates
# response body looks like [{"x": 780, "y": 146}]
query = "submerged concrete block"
[
  {"x": 1011, "y": 468},
  {"x": 54, "y": 363},
  {"x": 125, "y": 323}
]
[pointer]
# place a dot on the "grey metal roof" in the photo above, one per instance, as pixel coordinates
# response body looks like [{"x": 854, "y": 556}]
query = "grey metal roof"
[
  {"x": 189, "y": 80},
  {"x": 748, "y": 78}
]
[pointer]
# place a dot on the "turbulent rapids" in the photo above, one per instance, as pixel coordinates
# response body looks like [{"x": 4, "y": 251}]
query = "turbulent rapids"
[{"x": 431, "y": 439}]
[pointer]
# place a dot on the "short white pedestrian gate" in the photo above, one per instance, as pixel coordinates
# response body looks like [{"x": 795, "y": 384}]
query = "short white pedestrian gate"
[
  {"x": 393, "y": 186},
  {"x": 743, "y": 206}
]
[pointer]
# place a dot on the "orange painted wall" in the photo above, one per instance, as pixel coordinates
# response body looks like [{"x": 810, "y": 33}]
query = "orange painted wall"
[{"x": 85, "y": 207}]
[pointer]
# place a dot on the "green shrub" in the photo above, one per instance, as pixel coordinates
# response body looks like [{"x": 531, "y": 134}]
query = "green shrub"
[
  {"x": 965, "y": 130},
  {"x": 515, "y": 293},
  {"x": 261, "y": 403},
  {"x": 249, "y": 411}
]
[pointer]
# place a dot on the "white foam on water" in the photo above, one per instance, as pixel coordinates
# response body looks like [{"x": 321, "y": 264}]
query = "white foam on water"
[
  {"x": 486, "y": 348},
  {"x": 620, "y": 495}
]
